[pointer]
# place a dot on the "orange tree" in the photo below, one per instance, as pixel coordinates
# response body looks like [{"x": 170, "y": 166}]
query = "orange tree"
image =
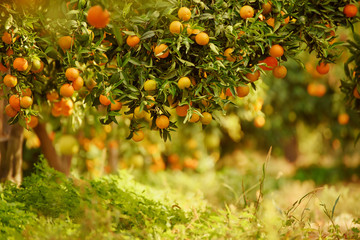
[
  {"x": 351, "y": 85},
  {"x": 59, "y": 59},
  {"x": 309, "y": 99}
]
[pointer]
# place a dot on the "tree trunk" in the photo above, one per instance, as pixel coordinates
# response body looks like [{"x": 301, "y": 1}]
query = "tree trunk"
[
  {"x": 11, "y": 146},
  {"x": 291, "y": 149},
  {"x": 66, "y": 164},
  {"x": 113, "y": 159},
  {"x": 49, "y": 152}
]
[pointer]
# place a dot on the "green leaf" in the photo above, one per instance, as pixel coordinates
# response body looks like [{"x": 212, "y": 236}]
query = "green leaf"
[
  {"x": 187, "y": 63},
  {"x": 148, "y": 34},
  {"x": 9, "y": 22},
  {"x": 134, "y": 61},
  {"x": 118, "y": 36}
]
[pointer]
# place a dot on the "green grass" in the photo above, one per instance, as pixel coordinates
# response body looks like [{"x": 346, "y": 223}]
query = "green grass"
[{"x": 175, "y": 205}]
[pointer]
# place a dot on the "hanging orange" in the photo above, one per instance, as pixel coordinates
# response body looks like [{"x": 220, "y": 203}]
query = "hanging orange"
[{"x": 97, "y": 17}]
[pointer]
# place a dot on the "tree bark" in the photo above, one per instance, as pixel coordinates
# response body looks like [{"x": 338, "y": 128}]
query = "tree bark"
[
  {"x": 11, "y": 147},
  {"x": 66, "y": 164},
  {"x": 291, "y": 149},
  {"x": 113, "y": 159},
  {"x": 48, "y": 149},
  {"x": 14, "y": 153}
]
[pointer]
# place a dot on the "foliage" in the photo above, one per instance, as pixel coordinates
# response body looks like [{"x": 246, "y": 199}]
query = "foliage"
[
  {"x": 120, "y": 70},
  {"x": 117, "y": 207},
  {"x": 50, "y": 195},
  {"x": 13, "y": 219}
]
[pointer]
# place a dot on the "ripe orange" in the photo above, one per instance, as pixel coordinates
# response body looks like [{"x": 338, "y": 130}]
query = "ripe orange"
[
  {"x": 72, "y": 74},
  {"x": 9, "y": 111},
  {"x": 32, "y": 121},
  {"x": 184, "y": 82},
  {"x": 228, "y": 93},
  {"x": 276, "y": 50},
  {"x": 193, "y": 80},
  {"x": 194, "y": 118},
  {"x": 52, "y": 96},
  {"x": 191, "y": 163},
  {"x": 56, "y": 109},
  {"x": 195, "y": 32},
  {"x": 240, "y": 34},
  {"x": 280, "y": 71},
  {"x": 10, "y": 80},
  {"x": 66, "y": 105},
  {"x": 287, "y": 19},
  {"x": 316, "y": 89},
  {"x": 190, "y": 31},
  {"x": 3, "y": 68},
  {"x": 162, "y": 122},
  {"x": 271, "y": 22},
  {"x": 57, "y": 105},
  {"x": 259, "y": 121},
  {"x": 227, "y": 54},
  {"x": 65, "y": 42},
  {"x": 150, "y": 85},
  {"x": 132, "y": 41},
  {"x": 26, "y": 102},
  {"x": 311, "y": 89},
  {"x": 350, "y": 10},
  {"x": 320, "y": 90},
  {"x": 139, "y": 114},
  {"x": 266, "y": 8},
  {"x": 55, "y": 112},
  {"x": 323, "y": 68},
  {"x": 159, "y": 51},
  {"x": 26, "y": 92},
  {"x": 9, "y": 52},
  {"x": 188, "y": 28},
  {"x": 14, "y": 102},
  {"x": 78, "y": 83},
  {"x": 173, "y": 158},
  {"x": 182, "y": 110},
  {"x": 66, "y": 113},
  {"x": 206, "y": 118},
  {"x": 223, "y": 94},
  {"x": 202, "y": 38},
  {"x": 66, "y": 90},
  {"x": 356, "y": 93},
  {"x": 97, "y": 17},
  {"x": 20, "y": 64},
  {"x": 6, "y": 37},
  {"x": 116, "y": 107},
  {"x": 184, "y": 14},
  {"x": 246, "y": 12},
  {"x": 343, "y": 118},
  {"x": 104, "y": 100},
  {"x": 150, "y": 104},
  {"x": 243, "y": 91},
  {"x": 271, "y": 62},
  {"x": 138, "y": 136},
  {"x": 68, "y": 6},
  {"x": 175, "y": 27},
  {"x": 253, "y": 76}
]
